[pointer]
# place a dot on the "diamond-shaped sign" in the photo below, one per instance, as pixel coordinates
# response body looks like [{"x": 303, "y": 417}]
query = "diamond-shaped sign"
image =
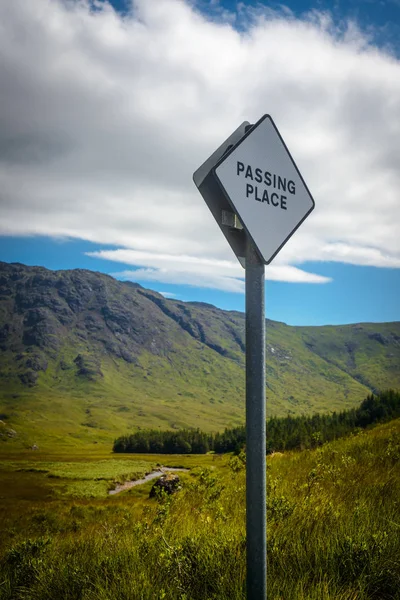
[{"x": 264, "y": 187}]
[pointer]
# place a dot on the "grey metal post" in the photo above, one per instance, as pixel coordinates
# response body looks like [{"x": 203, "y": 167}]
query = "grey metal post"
[{"x": 255, "y": 427}]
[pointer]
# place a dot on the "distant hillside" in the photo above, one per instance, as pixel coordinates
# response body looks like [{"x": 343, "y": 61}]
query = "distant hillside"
[{"x": 85, "y": 358}]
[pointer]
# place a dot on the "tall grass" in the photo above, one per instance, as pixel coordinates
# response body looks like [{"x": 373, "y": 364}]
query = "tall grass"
[{"x": 333, "y": 533}]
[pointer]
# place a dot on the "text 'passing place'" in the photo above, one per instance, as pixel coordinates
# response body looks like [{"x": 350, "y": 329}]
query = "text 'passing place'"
[{"x": 265, "y": 186}]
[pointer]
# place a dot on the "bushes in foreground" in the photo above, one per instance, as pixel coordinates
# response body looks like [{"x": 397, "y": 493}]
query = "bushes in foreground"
[{"x": 287, "y": 433}]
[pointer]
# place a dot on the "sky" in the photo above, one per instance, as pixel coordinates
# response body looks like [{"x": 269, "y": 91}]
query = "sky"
[{"x": 107, "y": 109}]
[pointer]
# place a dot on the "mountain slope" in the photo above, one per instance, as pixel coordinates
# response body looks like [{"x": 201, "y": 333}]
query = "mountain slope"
[{"x": 85, "y": 358}]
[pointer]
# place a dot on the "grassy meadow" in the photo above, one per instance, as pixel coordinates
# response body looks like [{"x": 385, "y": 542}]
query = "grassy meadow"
[{"x": 333, "y": 525}]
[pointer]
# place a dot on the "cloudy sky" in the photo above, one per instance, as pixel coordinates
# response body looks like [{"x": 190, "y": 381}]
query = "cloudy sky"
[{"x": 107, "y": 109}]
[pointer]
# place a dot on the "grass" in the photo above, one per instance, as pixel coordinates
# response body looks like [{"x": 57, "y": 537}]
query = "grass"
[
  {"x": 333, "y": 527},
  {"x": 342, "y": 503}
]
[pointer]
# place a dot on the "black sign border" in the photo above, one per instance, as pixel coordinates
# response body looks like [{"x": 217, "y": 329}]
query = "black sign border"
[{"x": 224, "y": 158}]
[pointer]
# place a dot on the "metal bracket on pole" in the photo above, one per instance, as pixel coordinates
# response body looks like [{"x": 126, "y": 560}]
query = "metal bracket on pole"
[{"x": 255, "y": 426}]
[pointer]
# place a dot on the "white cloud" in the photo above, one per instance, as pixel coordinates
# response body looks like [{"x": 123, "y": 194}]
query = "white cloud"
[
  {"x": 104, "y": 119},
  {"x": 199, "y": 272},
  {"x": 168, "y": 295},
  {"x": 208, "y": 280},
  {"x": 358, "y": 256},
  {"x": 179, "y": 269}
]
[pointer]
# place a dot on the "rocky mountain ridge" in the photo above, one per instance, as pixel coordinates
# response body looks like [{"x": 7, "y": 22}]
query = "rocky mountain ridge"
[{"x": 121, "y": 356}]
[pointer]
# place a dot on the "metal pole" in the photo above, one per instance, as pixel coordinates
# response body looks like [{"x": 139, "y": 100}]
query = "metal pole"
[{"x": 255, "y": 427}]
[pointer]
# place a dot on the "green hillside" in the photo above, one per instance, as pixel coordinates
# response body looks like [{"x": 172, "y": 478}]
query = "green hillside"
[{"x": 84, "y": 358}]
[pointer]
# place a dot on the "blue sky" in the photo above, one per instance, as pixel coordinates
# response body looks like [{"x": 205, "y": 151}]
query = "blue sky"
[
  {"x": 108, "y": 112},
  {"x": 381, "y": 18}
]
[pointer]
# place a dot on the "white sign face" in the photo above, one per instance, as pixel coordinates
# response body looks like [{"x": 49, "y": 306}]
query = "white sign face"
[{"x": 265, "y": 188}]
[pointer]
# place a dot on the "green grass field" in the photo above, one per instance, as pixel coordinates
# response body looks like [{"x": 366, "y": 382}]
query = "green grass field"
[{"x": 333, "y": 525}]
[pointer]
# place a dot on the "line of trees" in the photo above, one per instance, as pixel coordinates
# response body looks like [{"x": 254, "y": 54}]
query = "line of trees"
[{"x": 283, "y": 433}]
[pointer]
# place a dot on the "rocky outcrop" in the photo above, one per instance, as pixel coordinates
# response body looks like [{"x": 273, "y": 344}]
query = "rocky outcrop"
[
  {"x": 6, "y": 432},
  {"x": 168, "y": 483},
  {"x": 88, "y": 367},
  {"x": 378, "y": 337},
  {"x": 29, "y": 378}
]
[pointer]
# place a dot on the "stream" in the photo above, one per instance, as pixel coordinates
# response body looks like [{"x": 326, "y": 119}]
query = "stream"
[{"x": 153, "y": 475}]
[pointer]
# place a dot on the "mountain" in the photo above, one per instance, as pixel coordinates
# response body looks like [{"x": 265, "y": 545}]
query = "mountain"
[{"x": 85, "y": 358}]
